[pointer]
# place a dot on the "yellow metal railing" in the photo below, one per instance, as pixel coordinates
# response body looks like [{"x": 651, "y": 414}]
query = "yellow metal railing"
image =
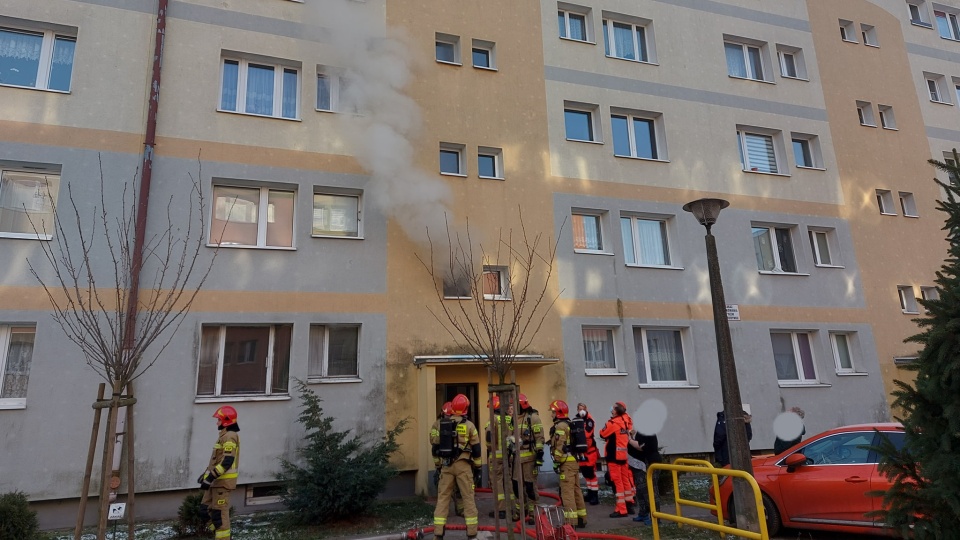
[{"x": 700, "y": 466}]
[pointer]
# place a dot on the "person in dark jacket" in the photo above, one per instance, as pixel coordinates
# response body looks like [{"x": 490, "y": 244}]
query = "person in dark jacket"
[
  {"x": 721, "y": 454},
  {"x": 644, "y": 451}
]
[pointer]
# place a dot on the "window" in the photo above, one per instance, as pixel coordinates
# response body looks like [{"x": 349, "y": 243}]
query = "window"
[
  {"x": 885, "y": 202},
  {"x": 259, "y": 88},
  {"x": 847, "y": 31},
  {"x": 457, "y": 287},
  {"x": 496, "y": 283},
  {"x": 908, "y": 302},
  {"x": 793, "y": 357},
  {"x": 659, "y": 355},
  {"x": 869, "y": 35},
  {"x": 336, "y": 214},
  {"x": 919, "y": 14},
  {"x": 586, "y": 232},
  {"x": 635, "y": 134},
  {"x": 792, "y": 65},
  {"x": 332, "y": 89},
  {"x": 451, "y": 159},
  {"x": 744, "y": 60},
  {"x": 929, "y": 294},
  {"x": 645, "y": 241},
  {"x": 333, "y": 352},
  {"x": 757, "y": 151},
  {"x": 865, "y": 113},
  {"x": 252, "y": 216},
  {"x": 625, "y": 40},
  {"x": 573, "y": 23},
  {"x": 907, "y": 204},
  {"x": 448, "y": 48},
  {"x": 27, "y": 204},
  {"x": 773, "y": 247},
  {"x": 16, "y": 355},
  {"x": 821, "y": 241},
  {"x": 948, "y": 159},
  {"x": 947, "y": 24},
  {"x": 483, "y": 54},
  {"x": 841, "y": 449},
  {"x": 490, "y": 163},
  {"x": 598, "y": 349},
  {"x": 887, "y": 119},
  {"x": 244, "y": 360},
  {"x": 841, "y": 352},
  {"x": 37, "y": 59},
  {"x": 936, "y": 87},
  {"x": 579, "y": 122},
  {"x": 806, "y": 151}
]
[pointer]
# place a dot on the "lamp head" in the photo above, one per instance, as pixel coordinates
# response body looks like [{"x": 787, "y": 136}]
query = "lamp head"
[{"x": 706, "y": 210}]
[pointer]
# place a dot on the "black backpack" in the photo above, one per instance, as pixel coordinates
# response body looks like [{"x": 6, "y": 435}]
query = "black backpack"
[
  {"x": 448, "y": 447},
  {"x": 578, "y": 436}
]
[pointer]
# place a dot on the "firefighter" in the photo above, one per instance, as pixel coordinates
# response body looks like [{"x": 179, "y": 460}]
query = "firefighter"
[
  {"x": 588, "y": 467},
  {"x": 616, "y": 434},
  {"x": 457, "y": 443},
  {"x": 495, "y": 454},
  {"x": 566, "y": 466},
  {"x": 445, "y": 412},
  {"x": 220, "y": 477},
  {"x": 531, "y": 456}
]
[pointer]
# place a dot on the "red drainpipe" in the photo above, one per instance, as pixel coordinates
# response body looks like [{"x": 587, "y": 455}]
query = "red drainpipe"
[{"x": 143, "y": 201}]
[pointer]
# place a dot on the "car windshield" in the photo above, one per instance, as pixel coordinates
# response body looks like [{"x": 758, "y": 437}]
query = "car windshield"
[{"x": 839, "y": 449}]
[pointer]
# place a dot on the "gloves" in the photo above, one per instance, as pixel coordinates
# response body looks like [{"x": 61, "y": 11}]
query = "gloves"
[
  {"x": 201, "y": 477},
  {"x": 477, "y": 477},
  {"x": 539, "y": 457},
  {"x": 556, "y": 467},
  {"x": 205, "y": 480},
  {"x": 436, "y": 477},
  {"x": 205, "y": 485}
]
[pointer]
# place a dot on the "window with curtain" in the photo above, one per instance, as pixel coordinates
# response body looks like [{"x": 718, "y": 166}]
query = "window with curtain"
[
  {"x": 252, "y": 216},
  {"x": 757, "y": 152},
  {"x": 333, "y": 352},
  {"x": 773, "y": 247},
  {"x": 624, "y": 40},
  {"x": 793, "y": 357},
  {"x": 336, "y": 215},
  {"x": 744, "y": 61},
  {"x": 36, "y": 59},
  {"x": 598, "y": 349},
  {"x": 495, "y": 283},
  {"x": 586, "y": 232},
  {"x": 645, "y": 241},
  {"x": 244, "y": 360},
  {"x": 572, "y": 25},
  {"x": 16, "y": 356},
  {"x": 659, "y": 355},
  {"x": 27, "y": 203},
  {"x": 260, "y": 89}
]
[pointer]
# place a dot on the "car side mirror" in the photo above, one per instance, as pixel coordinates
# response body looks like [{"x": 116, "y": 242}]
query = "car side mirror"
[{"x": 794, "y": 460}]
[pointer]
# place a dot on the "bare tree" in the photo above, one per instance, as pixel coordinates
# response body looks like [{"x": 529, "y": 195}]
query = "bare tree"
[
  {"x": 120, "y": 303},
  {"x": 493, "y": 302}
]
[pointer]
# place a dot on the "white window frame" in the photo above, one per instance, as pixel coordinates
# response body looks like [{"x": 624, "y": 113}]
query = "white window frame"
[
  {"x": 885, "y": 202},
  {"x": 268, "y": 377},
  {"x": 918, "y": 13},
  {"x": 503, "y": 277},
  {"x": 828, "y": 237},
  {"x": 929, "y": 293},
  {"x": 848, "y": 340},
  {"x": 936, "y": 87},
  {"x": 263, "y": 216},
  {"x": 869, "y": 34},
  {"x": 801, "y": 379},
  {"x": 324, "y": 376},
  {"x": 643, "y": 356},
  {"x": 947, "y": 20},
  {"x": 490, "y": 48},
  {"x": 339, "y": 193},
  {"x": 775, "y": 248},
  {"x": 497, "y": 155},
  {"x": 566, "y": 10},
  {"x": 454, "y": 42},
  {"x": 887, "y": 119},
  {"x": 865, "y": 113},
  {"x": 641, "y": 51},
  {"x": 615, "y": 370},
  {"x": 593, "y": 120},
  {"x": 595, "y": 215},
  {"x": 745, "y": 46},
  {"x": 665, "y": 226},
  {"x": 908, "y": 204},
  {"x": 775, "y": 137},
  {"x": 847, "y": 31},
  {"x": 6, "y": 331},
  {"x": 812, "y": 143},
  {"x": 44, "y": 202},
  {"x": 45, "y": 61},
  {"x": 243, "y": 67},
  {"x": 908, "y": 300},
  {"x": 457, "y": 149},
  {"x": 335, "y": 85},
  {"x": 795, "y": 55}
]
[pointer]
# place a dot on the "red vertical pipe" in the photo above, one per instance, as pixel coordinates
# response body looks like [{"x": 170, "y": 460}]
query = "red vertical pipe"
[{"x": 143, "y": 200}]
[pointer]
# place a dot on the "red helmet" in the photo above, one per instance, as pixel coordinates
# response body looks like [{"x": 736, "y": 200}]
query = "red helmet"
[
  {"x": 560, "y": 407},
  {"x": 460, "y": 405},
  {"x": 447, "y": 409},
  {"x": 524, "y": 404},
  {"x": 227, "y": 415},
  {"x": 496, "y": 402}
]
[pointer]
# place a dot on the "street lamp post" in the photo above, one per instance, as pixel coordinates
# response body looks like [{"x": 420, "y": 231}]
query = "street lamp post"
[{"x": 706, "y": 212}]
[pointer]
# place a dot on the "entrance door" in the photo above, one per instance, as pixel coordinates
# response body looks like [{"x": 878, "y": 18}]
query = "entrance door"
[{"x": 446, "y": 392}]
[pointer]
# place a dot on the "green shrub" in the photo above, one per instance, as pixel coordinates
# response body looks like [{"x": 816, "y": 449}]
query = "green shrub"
[
  {"x": 340, "y": 475},
  {"x": 190, "y": 521},
  {"x": 17, "y": 520}
]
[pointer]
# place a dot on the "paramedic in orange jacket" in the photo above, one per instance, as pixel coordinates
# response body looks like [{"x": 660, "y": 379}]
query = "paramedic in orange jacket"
[{"x": 616, "y": 434}]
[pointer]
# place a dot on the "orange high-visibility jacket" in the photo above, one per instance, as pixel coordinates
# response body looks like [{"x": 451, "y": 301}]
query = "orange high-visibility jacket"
[{"x": 617, "y": 432}]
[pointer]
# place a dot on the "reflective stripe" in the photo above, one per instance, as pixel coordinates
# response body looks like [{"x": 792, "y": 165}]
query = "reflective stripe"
[
  {"x": 217, "y": 446},
  {"x": 222, "y": 534},
  {"x": 526, "y": 454},
  {"x": 472, "y": 520},
  {"x": 571, "y": 514},
  {"x": 219, "y": 469},
  {"x": 228, "y": 476},
  {"x": 582, "y": 512},
  {"x": 439, "y": 520}
]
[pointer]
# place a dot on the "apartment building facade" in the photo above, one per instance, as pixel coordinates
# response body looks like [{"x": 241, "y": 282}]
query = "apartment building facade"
[{"x": 329, "y": 137}]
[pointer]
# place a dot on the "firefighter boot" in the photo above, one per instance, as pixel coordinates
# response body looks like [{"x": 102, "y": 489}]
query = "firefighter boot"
[
  {"x": 593, "y": 497},
  {"x": 581, "y": 523}
]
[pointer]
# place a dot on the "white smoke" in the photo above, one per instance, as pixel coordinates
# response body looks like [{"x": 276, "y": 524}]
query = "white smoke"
[{"x": 376, "y": 69}]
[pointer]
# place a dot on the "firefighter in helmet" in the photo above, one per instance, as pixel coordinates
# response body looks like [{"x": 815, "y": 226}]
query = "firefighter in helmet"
[
  {"x": 446, "y": 411},
  {"x": 531, "y": 455},
  {"x": 457, "y": 444},
  {"x": 566, "y": 466},
  {"x": 220, "y": 477},
  {"x": 495, "y": 454}
]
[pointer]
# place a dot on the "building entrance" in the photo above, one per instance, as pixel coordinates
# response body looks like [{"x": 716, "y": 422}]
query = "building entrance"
[{"x": 446, "y": 392}]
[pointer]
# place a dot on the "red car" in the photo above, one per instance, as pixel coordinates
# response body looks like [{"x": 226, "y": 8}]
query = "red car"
[{"x": 821, "y": 482}]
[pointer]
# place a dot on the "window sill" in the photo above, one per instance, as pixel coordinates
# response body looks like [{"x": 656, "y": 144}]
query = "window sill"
[
  {"x": 868, "y": 125},
  {"x": 458, "y": 298},
  {"x": 333, "y": 380},
  {"x": 648, "y": 62},
  {"x": 233, "y": 398},
  {"x": 947, "y": 103},
  {"x": 770, "y": 273},
  {"x": 910, "y": 312},
  {"x": 658, "y": 160},
  {"x": 336, "y": 237},
  {"x": 851, "y": 374},
  {"x": 654, "y": 266},
  {"x": 914, "y": 216},
  {"x": 874, "y": 45},
  {"x": 767, "y": 173},
  {"x": 238, "y": 113},
  {"x": 812, "y": 168},
  {"x": 496, "y": 298},
  {"x": 849, "y": 41},
  {"x": 584, "y": 141},
  {"x": 480, "y": 176},
  {"x": 244, "y": 246},
  {"x": 791, "y": 384},
  {"x": 458, "y": 175},
  {"x": 795, "y": 78},
  {"x": 26, "y": 236},
  {"x": 486, "y": 68},
  {"x": 588, "y": 42},
  {"x": 11, "y": 404},
  {"x": 829, "y": 266},
  {"x": 890, "y": 128},
  {"x": 53, "y": 91},
  {"x": 653, "y": 386},
  {"x": 887, "y": 214},
  {"x": 459, "y": 64},
  {"x": 921, "y": 24},
  {"x": 326, "y": 110},
  {"x": 591, "y": 252},
  {"x": 603, "y": 373},
  {"x": 749, "y": 79}
]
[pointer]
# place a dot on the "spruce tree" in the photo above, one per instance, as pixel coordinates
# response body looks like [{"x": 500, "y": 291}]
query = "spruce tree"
[
  {"x": 924, "y": 501},
  {"x": 338, "y": 475}
]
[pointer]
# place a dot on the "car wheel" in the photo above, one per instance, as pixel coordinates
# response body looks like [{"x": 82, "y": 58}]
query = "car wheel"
[{"x": 774, "y": 523}]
